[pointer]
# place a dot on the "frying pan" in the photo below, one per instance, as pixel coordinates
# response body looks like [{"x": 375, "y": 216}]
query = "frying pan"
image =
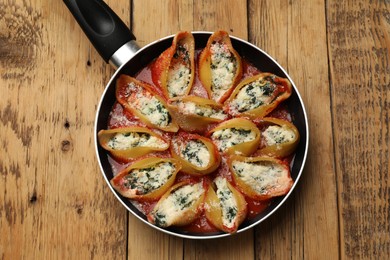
[{"x": 116, "y": 44}]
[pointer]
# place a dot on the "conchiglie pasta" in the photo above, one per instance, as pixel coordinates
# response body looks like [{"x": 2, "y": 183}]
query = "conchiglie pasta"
[
  {"x": 225, "y": 206},
  {"x": 131, "y": 142},
  {"x": 180, "y": 206},
  {"x": 141, "y": 100},
  {"x": 174, "y": 69},
  {"x": 220, "y": 67},
  {"x": 236, "y": 136},
  {"x": 257, "y": 96},
  {"x": 261, "y": 178},
  {"x": 147, "y": 179},
  {"x": 279, "y": 137},
  {"x": 195, "y": 114},
  {"x": 197, "y": 154}
]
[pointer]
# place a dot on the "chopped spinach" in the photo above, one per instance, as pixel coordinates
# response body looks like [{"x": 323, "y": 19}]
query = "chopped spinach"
[
  {"x": 241, "y": 131},
  {"x": 231, "y": 213},
  {"x": 160, "y": 219},
  {"x": 229, "y": 208},
  {"x": 184, "y": 201},
  {"x": 191, "y": 152},
  {"x": 268, "y": 89},
  {"x": 154, "y": 107},
  {"x": 182, "y": 52},
  {"x": 238, "y": 171}
]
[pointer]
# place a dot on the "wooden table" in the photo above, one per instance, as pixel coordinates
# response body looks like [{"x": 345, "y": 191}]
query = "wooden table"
[{"x": 54, "y": 203}]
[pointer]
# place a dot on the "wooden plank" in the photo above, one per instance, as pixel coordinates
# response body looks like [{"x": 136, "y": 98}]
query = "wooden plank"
[
  {"x": 145, "y": 242},
  {"x": 274, "y": 237},
  {"x": 359, "y": 47},
  {"x": 172, "y": 16},
  {"x": 168, "y": 18},
  {"x": 54, "y": 201},
  {"x": 318, "y": 201},
  {"x": 230, "y": 16},
  {"x": 266, "y": 16},
  {"x": 294, "y": 32},
  {"x": 238, "y": 246}
]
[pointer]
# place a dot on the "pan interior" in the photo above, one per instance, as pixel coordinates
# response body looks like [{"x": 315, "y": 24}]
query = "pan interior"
[{"x": 255, "y": 56}]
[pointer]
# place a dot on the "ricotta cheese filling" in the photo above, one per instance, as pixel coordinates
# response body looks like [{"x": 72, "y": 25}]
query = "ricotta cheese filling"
[
  {"x": 179, "y": 76},
  {"x": 179, "y": 73},
  {"x": 148, "y": 105},
  {"x": 223, "y": 69},
  {"x": 146, "y": 180},
  {"x": 275, "y": 135},
  {"x": 196, "y": 153},
  {"x": 261, "y": 176},
  {"x": 124, "y": 141},
  {"x": 201, "y": 110},
  {"x": 253, "y": 95},
  {"x": 228, "y": 137},
  {"x": 228, "y": 202},
  {"x": 179, "y": 201}
]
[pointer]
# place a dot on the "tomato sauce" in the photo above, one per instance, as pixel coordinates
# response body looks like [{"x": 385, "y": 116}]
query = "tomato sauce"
[
  {"x": 121, "y": 118},
  {"x": 255, "y": 207}
]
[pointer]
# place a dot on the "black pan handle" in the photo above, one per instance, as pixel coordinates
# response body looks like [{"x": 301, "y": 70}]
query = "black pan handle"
[{"x": 106, "y": 31}]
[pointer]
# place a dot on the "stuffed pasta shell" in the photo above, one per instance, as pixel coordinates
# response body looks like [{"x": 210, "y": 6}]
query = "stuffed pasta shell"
[
  {"x": 261, "y": 178},
  {"x": 142, "y": 101},
  {"x": 179, "y": 206},
  {"x": 195, "y": 114},
  {"x": 220, "y": 67},
  {"x": 257, "y": 96},
  {"x": 236, "y": 136},
  {"x": 174, "y": 69},
  {"x": 147, "y": 179},
  {"x": 225, "y": 206},
  {"x": 279, "y": 137},
  {"x": 131, "y": 142},
  {"x": 197, "y": 154}
]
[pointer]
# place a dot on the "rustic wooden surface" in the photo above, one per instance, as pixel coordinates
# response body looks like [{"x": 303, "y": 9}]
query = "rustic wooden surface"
[{"x": 54, "y": 202}]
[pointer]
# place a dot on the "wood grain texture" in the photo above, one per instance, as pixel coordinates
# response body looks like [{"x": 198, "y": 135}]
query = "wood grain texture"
[
  {"x": 153, "y": 20},
  {"x": 230, "y": 16},
  {"x": 144, "y": 241},
  {"x": 294, "y": 32},
  {"x": 308, "y": 64},
  {"x": 53, "y": 200},
  {"x": 54, "y": 203},
  {"x": 359, "y": 46},
  {"x": 192, "y": 16}
]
